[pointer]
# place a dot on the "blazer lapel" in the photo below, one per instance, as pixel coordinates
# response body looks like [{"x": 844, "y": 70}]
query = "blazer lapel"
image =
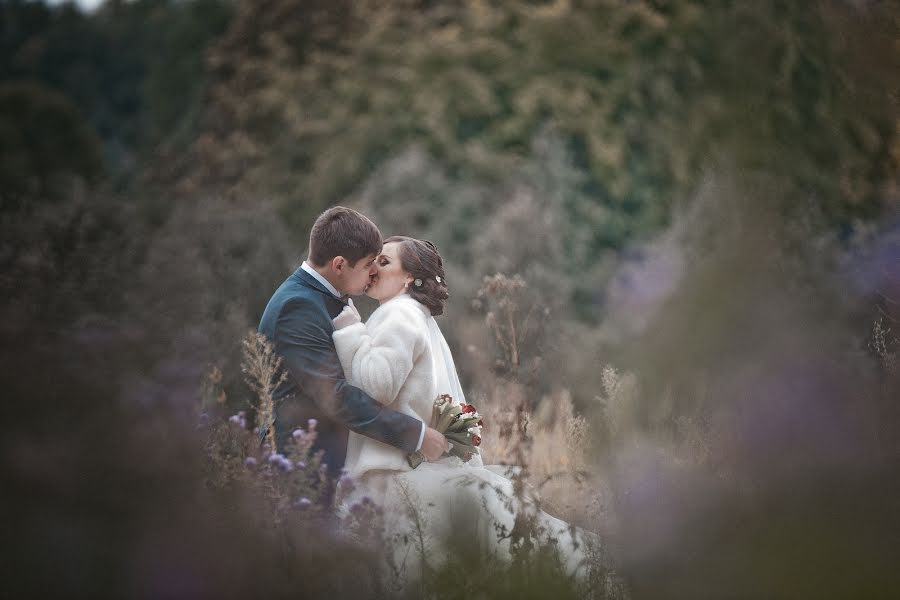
[
  {"x": 311, "y": 281},
  {"x": 335, "y": 305}
]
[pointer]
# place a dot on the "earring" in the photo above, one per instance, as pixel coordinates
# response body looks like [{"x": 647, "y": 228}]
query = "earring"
[{"x": 406, "y": 285}]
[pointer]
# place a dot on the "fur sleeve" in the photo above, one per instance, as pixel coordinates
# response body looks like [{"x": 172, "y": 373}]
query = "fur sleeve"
[{"x": 378, "y": 358}]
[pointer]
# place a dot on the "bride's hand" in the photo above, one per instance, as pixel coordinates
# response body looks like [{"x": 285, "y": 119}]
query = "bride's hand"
[{"x": 349, "y": 316}]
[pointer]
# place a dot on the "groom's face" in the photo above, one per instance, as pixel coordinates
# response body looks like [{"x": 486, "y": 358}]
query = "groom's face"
[{"x": 356, "y": 278}]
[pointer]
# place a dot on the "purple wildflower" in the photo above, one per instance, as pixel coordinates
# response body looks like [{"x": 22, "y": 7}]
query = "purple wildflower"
[
  {"x": 281, "y": 462},
  {"x": 312, "y": 424},
  {"x": 249, "y": 462}
]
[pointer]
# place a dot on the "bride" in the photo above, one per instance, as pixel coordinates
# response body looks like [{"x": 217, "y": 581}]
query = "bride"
[{"x": 400, "y": 358}]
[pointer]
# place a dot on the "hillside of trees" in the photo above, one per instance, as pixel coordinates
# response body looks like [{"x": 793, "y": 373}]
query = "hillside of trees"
[{"x": 701, "y": 193}]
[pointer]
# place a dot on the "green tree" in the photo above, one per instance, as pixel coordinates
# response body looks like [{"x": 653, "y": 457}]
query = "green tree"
[
  {"x": 135, "y": 70},
  {"x": 648, "y": 95},
  {"x": 44, "y": 145}
]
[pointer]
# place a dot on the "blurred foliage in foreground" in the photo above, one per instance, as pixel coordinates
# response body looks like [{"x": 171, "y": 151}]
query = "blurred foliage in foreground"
[{"x": 699, "y": 192}]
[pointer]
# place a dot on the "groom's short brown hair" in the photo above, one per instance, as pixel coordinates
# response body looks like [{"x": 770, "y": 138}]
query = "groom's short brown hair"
[{"x": 341, "y": 231}]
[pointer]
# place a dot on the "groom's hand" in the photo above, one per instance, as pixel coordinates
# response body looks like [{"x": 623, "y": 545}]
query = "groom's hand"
[{"x": 434, "y": 444}]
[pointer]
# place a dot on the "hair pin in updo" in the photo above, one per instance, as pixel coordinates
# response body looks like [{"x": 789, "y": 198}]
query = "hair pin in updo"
[
  {"x": 417, "y": 282},
  {"x": 437, "y": 278}
]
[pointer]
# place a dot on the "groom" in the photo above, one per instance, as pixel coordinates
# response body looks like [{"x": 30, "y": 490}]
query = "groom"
[{"x": 343, "y": 245}]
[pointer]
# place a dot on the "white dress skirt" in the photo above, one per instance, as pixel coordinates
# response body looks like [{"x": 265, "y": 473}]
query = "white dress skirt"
[{"x": 438, "y": 511}]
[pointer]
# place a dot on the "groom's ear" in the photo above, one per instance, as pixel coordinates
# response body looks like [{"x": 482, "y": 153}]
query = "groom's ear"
[{"x": 338, "y": 263}]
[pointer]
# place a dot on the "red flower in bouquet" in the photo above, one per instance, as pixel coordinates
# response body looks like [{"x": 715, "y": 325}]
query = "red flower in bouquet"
[{"x": 457, "y": 421}]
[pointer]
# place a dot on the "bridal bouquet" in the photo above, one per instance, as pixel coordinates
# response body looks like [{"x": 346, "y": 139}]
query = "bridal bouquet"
[{"x": 461, "y": 425}]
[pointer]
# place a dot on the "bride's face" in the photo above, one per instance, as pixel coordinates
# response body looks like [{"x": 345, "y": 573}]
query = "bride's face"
[{"x": 390, "y": 279}]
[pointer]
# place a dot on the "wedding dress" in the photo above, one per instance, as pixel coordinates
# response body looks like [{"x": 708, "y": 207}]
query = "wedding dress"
[{"x": 400, "y": 358}]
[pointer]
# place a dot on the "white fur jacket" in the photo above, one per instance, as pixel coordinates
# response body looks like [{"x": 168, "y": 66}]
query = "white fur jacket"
[{"x": 390, "y": 358}]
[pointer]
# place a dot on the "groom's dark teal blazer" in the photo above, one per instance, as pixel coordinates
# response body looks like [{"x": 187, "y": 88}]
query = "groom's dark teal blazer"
[{"x": 297, "y": 321}]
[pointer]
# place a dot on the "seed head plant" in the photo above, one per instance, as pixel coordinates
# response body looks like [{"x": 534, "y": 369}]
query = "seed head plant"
[{"x": 262, "y": 368}]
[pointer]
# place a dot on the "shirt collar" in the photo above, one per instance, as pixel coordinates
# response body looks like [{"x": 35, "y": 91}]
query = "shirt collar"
[{"x": 318, "y": 277}]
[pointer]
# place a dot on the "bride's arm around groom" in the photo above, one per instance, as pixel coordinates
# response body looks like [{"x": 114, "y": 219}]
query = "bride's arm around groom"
[{"x": 384, "y": 355}]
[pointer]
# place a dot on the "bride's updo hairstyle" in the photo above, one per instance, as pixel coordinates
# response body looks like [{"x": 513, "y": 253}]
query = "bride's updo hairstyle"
[{"x": 420, "y": 259}]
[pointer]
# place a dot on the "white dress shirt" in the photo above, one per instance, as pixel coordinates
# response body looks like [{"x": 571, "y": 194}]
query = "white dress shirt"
[{"x": 327, "y": 284}]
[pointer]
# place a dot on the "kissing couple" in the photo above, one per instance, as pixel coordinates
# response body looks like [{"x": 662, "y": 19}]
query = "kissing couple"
[{"x": 371, "y": 387}]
